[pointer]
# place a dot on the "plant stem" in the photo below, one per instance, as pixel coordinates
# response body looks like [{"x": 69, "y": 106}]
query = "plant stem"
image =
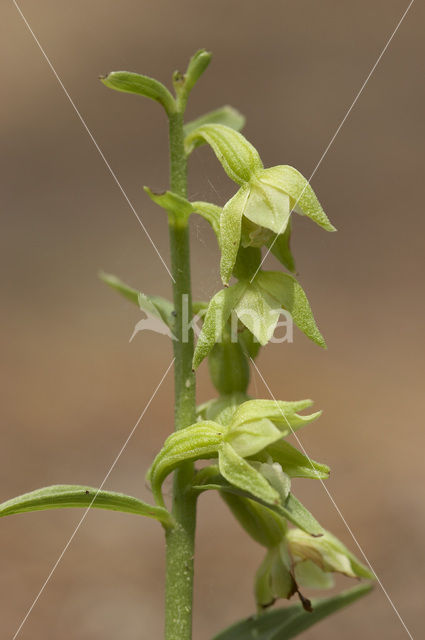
[{"x": 181, "y": 539}]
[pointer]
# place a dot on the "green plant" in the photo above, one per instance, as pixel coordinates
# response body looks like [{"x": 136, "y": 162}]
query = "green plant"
[{"x": 251, "y": 462}]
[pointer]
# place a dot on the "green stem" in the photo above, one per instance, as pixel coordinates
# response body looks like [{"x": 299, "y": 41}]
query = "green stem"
[{"x": 181, "y": 539}]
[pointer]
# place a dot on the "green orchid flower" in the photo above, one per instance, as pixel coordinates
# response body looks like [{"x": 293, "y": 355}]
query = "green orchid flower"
[
  {"x": 258, "y": 300},
  {"x": 259, "y": 213},
  {"x": 241, "y": 446}
]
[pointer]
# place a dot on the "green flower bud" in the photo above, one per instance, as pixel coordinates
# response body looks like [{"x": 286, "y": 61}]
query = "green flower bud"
[{"x": 142, "y": 85}]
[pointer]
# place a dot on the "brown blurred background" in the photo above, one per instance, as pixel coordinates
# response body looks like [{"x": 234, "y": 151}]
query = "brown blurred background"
[{"x": 73, "y": 386}]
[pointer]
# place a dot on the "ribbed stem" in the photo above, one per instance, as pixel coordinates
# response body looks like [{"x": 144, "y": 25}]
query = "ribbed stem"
[{"x": 181, "y": 539}]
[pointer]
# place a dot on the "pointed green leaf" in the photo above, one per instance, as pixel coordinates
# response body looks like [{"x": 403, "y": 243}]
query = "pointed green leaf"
[
  {"x": 66, "y": 496},
  {"x": 129, "y": 82},
  {"x": 171, "y": 202},
  {"x": 288, "y": 622},
  {"x": 200, "y": 440},
  {"x": 219, "y": 310},
  {"x": 292, "y": 182},
  {"x": 226, "y": 115},
  {"x": 237, "y": 156},
  {"x": 242, "y": 475},
  {"x": 291, "y": 296},
  {"x": 154, "y": 305}
]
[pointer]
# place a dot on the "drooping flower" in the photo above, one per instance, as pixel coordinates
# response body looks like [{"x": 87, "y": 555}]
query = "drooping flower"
[{"x": 259, "y": 212}]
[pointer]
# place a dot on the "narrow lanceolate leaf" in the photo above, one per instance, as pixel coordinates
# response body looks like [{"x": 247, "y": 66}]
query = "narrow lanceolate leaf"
[
  {"x": 129, "y": 82},
  {"x": 66, "y": 496},
  {"x": 200, "y": 440},
  {"x": 292, "y": 297},
  {"x": 288, "y": 622},
  {"x": 219, "y": 310},
  {"x": 226, "y": 115},
  {"x": 154, "y": 305},
  {"x": 298, "y": 188},
  {"x": 242, "y": 475},
  {"x": 237, "y": 156},
  {"x": 171, "y": 202}
]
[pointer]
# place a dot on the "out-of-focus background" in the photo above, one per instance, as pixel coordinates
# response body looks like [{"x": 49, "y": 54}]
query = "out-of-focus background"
[{"x": 73, "y": 386}]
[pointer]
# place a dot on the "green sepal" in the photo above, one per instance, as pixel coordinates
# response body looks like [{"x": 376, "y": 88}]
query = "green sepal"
[
  {"x": 237, "y": 156},
  {"x": 242, "y": 475},
  {"x": 291, "y": 510},
  {"x": 219, "y": 310},
  {"x": 226, "y": 115},
  {"x": 291, "y": 181},
  {"x": 200, "y": 440},
  {"x": 288, "y": 292},
  {"x": 171, "y": 202},
  {"x": 288, "y": 622},
  {"x": 296, "y": 513},
  {"x": 283, "y": 414},
  {"x": 67, "y": 496},
  {"x": 294, "y": 463},
  {"x": 230, "y": 232},
  {"x": 129, "y": 82},
  {"x": 263, "y": 525}
]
